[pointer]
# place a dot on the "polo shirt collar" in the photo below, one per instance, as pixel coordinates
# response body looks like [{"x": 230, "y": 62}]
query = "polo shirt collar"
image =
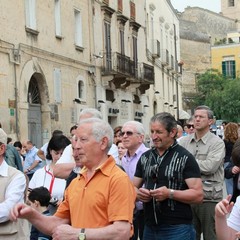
[{"x": 105, "y": 168}]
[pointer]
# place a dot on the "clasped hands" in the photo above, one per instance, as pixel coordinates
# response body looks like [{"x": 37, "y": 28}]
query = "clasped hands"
[{"x": 159, "y": 194}]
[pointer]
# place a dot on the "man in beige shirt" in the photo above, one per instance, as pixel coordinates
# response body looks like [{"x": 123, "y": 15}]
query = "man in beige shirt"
[{"x": 209, "y": 151}]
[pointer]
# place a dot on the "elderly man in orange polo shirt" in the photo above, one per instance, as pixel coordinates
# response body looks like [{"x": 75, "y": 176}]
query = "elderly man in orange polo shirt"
[{"x": 99, "y": 203}]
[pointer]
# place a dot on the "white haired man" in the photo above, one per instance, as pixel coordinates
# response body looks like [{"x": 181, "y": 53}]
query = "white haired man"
[{"x": 99, "y": 203}]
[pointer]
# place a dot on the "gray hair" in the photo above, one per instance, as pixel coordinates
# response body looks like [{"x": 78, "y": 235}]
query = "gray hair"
[
  {"x": 139, "y": 126},
  {"x": 100, "y": 129},
  {"x": 166, "y": 119},
  {"x": 92, "y": 112},
  {"x": 209, "y": 111}
]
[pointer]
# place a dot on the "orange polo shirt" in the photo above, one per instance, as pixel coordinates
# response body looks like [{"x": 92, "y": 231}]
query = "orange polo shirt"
[{"x": 107, "y": 197}]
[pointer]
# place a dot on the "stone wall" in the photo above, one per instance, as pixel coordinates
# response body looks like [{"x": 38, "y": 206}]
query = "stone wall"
[{"x": 198, "y": 28}]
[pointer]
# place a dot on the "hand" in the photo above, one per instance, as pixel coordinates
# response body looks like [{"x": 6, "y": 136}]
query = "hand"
[
  {"x": 238, "y": 235},
  {"x": 235, "y": 170},
  {"x": 20, "y": 210},
  {"x": 65, "y": 231},
  {"x": 160, "y": 194},
  {"x": 143, "y": 195},
  {"x": 224, "y": 207}
]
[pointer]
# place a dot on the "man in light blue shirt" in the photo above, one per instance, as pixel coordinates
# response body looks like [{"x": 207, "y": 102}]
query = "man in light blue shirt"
[
  {"x": 32, "y": 162},
  {"x": 132, "y": 138}
]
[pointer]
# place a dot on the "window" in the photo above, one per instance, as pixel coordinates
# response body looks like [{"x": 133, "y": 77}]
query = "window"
[
  {"x": 57, "y": 12},
  {"x": 80, "y": 89},
  {"x": 110, "y": 95},
  {"x": 78, "y": 28},
  {"x": 122, "y": 41},
  {"x": 228, "y": 69},
  {"x": 107, "y": 27},
  {"x": 30, "y": 11},
  {"x": 57, "y": 85},
  {"x": 231, "y": 3},
  {"x": 135, "y": 55}
]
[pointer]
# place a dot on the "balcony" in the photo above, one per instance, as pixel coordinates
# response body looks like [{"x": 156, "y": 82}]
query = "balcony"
[
  {"x": 175, "y": 67},
  {"x": 165, "y": 57},
  {"x": 147, "y": 77},
  {"x": 147, "y": 73},
  {"x": 106, "y": 2},
  {"x": 122, "y": 69}
]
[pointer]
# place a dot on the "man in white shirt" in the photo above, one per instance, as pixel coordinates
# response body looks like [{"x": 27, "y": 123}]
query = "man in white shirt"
[
  {"x": 66, "y": 163},
  {"x": 12, "y": 191}
]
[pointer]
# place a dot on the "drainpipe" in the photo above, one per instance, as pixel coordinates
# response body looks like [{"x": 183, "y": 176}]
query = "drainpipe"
[
  {"x": 175, "y": 47},
  {"x": 16, "y": 99}
]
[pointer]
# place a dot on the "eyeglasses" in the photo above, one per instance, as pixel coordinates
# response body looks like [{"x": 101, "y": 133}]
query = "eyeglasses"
[
  {"x": 128, "y": 133},
  {"x": 190, "y": 126}
]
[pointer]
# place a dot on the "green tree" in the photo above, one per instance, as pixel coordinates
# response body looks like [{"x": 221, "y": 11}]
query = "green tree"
[
  {"x": 220, "y": 94},
  {"x": 209, "y": 84},
  {"x": 230, "y": 104}
]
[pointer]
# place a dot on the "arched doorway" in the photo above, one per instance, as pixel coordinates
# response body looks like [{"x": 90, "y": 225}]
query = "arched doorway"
[{"x": 34, "y": 112}]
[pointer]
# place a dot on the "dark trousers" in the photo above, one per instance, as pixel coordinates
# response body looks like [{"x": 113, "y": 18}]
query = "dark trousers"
[
  {"x": 138, "y": 224},
  {"x": 204, "y": 220},
  {"x": 30, "y": 176}
]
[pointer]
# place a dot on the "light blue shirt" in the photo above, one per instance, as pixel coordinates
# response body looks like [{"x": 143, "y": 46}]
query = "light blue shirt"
[
  {"x": 129, "y": 164},
  {"x": 30, "y": 157}
]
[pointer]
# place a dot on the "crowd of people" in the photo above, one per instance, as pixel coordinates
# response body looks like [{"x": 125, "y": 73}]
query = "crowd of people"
[{"x": 104, "y": 183}]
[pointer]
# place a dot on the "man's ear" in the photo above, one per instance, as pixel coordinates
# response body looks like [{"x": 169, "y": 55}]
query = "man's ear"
[
  {"x": 210, "y": 122},
  {"x": 104, "y": 142},
  {"x": 173, "y": 132},
  {"x": 36, "y": 203}
]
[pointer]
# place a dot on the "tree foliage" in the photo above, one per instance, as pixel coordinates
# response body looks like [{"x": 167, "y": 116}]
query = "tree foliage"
[{"x": 220, "y": 94}]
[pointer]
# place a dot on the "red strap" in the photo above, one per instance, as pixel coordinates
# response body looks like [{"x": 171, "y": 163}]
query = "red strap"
[{"x": 52, "y": 180}]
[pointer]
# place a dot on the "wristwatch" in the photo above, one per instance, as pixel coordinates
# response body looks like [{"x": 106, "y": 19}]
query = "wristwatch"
[
  {"x": 171, "y": 194},
  {"x": 82, "y": 235}
]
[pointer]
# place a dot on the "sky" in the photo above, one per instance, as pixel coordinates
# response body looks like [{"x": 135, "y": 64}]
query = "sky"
[{"x": 213, "y": 5}]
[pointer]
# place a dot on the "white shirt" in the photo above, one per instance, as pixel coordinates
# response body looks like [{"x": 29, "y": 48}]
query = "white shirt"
[
  {"x": 43, "y": 177},
  {"x": 14, "y": 192},
  {"x": 66, "y": 155},
  {"x": 234, "y": 219},
  {"x": 44, "y": 149},
  {"x": 114, "y": 152}
]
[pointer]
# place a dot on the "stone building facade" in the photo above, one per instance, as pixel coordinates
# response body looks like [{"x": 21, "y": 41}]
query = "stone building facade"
[
  {"x": 59, "y": 57},
  {"x": 231, "y": 9},
  {"x": 199, "y": 30}
]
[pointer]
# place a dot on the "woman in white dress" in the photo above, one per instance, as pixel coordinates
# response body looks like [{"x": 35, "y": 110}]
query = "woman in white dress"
[{"x": 44, "y": 176}]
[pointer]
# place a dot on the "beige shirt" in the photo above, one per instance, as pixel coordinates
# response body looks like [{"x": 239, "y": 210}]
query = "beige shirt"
[{"x": 209, "y": 152}]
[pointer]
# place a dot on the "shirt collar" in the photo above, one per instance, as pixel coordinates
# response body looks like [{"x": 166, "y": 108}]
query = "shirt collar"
[
  {"x": 204, "y": 138},
  {"x": 175, "y": 143},
  {"x": 105, "y": 168},
  {"x": 141, "y": 149},
  {"x": 4, "y": 169}
]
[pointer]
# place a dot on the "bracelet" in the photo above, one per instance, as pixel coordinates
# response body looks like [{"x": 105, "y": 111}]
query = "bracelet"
[
  {"x": 28, "y": 170},
  {"x": 171, "y": 194}
]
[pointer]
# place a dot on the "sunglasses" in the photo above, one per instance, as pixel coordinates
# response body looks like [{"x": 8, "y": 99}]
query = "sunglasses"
[
  {"x": 128, "y": 133},
  {"x": 190, "y": 126}
]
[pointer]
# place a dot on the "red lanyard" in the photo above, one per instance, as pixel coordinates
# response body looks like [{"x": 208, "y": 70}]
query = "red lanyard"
[{"x": 52, "y": 180}]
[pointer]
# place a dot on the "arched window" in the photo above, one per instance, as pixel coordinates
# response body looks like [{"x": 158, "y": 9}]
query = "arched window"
[
  {"x": 81, "y": 89},
  {"x": 33, "y": 92}
]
